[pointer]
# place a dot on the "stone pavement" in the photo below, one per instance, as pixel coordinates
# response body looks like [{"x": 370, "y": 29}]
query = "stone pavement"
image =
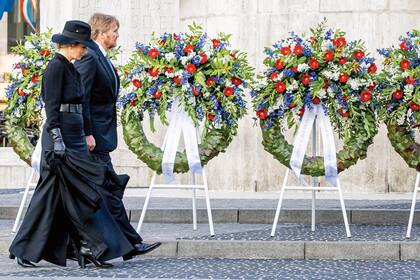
[
  {"x": 169, "y": 268},
  {"x": 242, "y": 247}
]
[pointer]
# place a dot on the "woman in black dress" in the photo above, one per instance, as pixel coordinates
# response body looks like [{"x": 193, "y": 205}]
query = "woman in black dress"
[{"x": 67, "y": 206}]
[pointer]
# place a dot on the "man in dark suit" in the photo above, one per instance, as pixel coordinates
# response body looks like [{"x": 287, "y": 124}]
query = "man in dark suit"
[{"x": 102, "y": 84}]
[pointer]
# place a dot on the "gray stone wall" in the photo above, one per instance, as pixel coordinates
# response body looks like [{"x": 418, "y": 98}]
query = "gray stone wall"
[{"x": 255, "y": 24}]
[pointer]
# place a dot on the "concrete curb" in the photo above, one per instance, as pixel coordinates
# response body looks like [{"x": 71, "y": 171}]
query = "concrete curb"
[
  {"x": 263, "y": 216},
  {"x": 245, "y": 249}
]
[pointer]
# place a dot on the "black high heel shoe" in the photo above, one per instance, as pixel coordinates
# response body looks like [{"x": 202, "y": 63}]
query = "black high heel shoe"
[
  {"x": 86, "y": 255},
  {"x": 22, "y": 262}
]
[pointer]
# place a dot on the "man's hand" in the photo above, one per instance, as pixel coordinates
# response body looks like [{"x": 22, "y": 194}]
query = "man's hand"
[{"x": 90, "y": 141}]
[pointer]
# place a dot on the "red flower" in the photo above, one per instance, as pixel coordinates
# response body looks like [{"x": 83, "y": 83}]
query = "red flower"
[
  {"x": 153, "y": 53},
  {"x": 136, "y": 83},
  {"x": 316, "y": 100},
  {"x": 339, "y": 42},
  {"x": 157, "y": 94},
  {"x": 21, "y": 92},
  {"x": 328, "y": 55},
  {"x": 190, "y": 68},
  {"x": 279, "y": 64},
  {"x": 210, "y": 82},
  {"x": 133, "y": 102},
  {"x": 285, "y": 50},
  {"x": 44, "y": 52},
  {"x": 405, "y": 64},
  {"x": 188, "y": 49},
  {"x": 216, "y": 43},
  {"x": 153, "y": 72},
  {"x": 343, "y": 113},
  {"x": 343, "y": 77},
  {"x": 195, "y": 91},
  {"x": 398, "y": 94},
  {"x": 306, "y": 79},
  {"x": 294, "y": 69},
  {"x": 298, "y": 50},
  {"x": 403, "y": 46},
  {"x": 301, "y": 111},
  {"x": 365, "y": 95},
  {"x": 313, "y": 63},
  {"x": 177, "y": 80},
  {"x": 262, "y": 114},
  {"x": 24, "y": 71},
  {"x": 210, "y": 116},
  {"x": 342, "y": 60},
  {"x": 228, "y": 91},
  {"x": 34, "y": 79},
  {"x": 236, "y": 81},
  {"x": 273, "y": 76},
  {"x": 358, "y": 54},
  {"x": 176, "y": 37},
  {"x": 203, "y": 58},
  {"x": 168, "y": 69},
  {"x": 372, "y": 68},
  {"x": 410, "y": 80},
  {"x": 414, "y": 106},
  {"x": 280, "y": 87}
]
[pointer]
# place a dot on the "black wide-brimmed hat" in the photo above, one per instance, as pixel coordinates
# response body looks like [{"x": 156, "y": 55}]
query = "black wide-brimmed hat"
[{"x": 75, "y": 31}]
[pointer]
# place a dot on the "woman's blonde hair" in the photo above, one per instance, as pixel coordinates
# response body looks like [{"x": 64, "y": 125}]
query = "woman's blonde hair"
[{"x": 100, "y": 23}]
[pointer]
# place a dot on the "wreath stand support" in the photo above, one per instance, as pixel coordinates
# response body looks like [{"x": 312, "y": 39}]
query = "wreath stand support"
[
  {"x": 413, "y": 206},
  {"x": 29, "y": 184},
  {"x": 314, "y": 187},
  {"x": 193, "y": 186}
]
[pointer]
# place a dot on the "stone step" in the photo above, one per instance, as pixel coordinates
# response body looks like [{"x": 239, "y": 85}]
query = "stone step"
[
  {"x": 292, "y": 241},
  {"x": 262, "y": 216}
]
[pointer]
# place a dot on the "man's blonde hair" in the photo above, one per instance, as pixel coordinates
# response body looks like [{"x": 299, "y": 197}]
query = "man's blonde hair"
[{"x": 100, "y": 23}]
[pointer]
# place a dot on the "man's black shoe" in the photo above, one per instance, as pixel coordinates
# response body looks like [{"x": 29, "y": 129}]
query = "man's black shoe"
[{"x": 141, "y": 249}]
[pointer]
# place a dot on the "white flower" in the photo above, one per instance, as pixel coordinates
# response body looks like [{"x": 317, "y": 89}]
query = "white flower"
[
  {"x": 184, "y": 60},
  {"x": 302, "y": 67},
  {"x": 322, "y": 93},
  {"x": 293, "y": 86},
  {"x": 408, "y": 89},
  {"x": 28, "y": 45},
  {"x": 354, "y": 84},
  {"x": 169, "y": 56}
]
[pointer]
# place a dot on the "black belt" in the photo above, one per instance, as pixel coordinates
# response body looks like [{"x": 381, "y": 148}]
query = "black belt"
[{"x": 71, "y": 108}]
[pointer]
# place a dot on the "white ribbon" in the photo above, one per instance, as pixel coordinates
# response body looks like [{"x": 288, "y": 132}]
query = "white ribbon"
[
  {"x": 180, "y": 122},
  {"x": 302, "y": 139},
  {"x": 36, "y": 155}
]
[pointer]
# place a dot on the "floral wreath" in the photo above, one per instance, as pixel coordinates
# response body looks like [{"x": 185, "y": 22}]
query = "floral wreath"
[
  {"x": 399, "y": 89},
  {"x": 322, "y": 69},
  {"x": 23, "y": 94},
  {"x": 24, "y": 104},
  {"x": 206, "y": 77}
]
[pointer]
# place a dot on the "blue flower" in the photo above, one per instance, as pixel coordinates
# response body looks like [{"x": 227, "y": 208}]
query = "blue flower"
[
  {"x": 383, "y": 52},
  {"x": 289, "y": 73},
  {"x": 196, "y": 60}
]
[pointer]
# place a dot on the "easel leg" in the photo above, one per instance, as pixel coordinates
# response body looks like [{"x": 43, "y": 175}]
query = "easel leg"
[
  {"x": 146, "y": 203},
  {"x": 343, "y": 209},
  {"x": 413, "y": 206},
  {"x": 194, "y": 205},
  {"x": 276, "y": 218},
  {"x": 206, "y": 192},
  {"x": 23, "y": 201},
  {"x": 314, "y": 184}
]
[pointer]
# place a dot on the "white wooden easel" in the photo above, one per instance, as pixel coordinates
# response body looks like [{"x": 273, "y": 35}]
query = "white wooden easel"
[
  {"x": 314, "y": 187},
  {"x": 192, "y": 186},
  {"x": 29, "y": 184},
  {"x": 413, "y": 206}
]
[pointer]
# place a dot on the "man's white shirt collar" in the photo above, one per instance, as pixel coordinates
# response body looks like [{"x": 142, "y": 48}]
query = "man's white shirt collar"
[{"x": 101, "y": 48}]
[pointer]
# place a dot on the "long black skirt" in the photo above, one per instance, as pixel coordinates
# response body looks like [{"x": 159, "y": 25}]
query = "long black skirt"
[{"x": 69, "y": 204}]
